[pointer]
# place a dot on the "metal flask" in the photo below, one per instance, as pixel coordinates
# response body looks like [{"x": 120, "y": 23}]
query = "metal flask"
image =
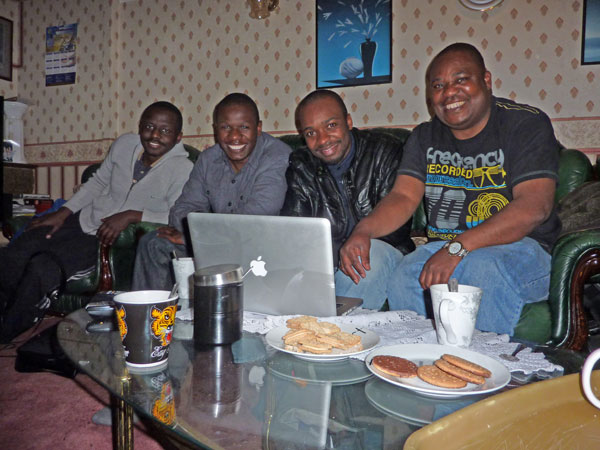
[{"x": 218, "y": 304}]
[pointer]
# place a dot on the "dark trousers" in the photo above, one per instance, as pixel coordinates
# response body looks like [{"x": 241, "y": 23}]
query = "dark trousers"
[{"x": 26, "y": 278}]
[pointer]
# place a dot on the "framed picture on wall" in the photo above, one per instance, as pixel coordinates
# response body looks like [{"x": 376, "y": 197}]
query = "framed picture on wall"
[
  {"x": 590, "y": 40},
  {"x": 6, "y": 27},
  {"x": 354, "y": 42}
]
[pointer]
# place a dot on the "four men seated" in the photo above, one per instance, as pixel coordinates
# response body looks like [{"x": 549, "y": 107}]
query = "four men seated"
[{"x": 486, "y": 168}]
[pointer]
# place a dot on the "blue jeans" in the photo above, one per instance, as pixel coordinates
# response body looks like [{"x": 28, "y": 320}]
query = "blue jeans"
[
  {"x": 152, "y": 270},
  {"x": 374, "y": 288},
  {"x": 510, "y": 275}
]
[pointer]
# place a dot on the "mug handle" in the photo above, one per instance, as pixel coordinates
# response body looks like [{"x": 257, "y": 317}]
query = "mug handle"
[
  {"x": 586, "y": 377},
  {"x": 445, "y": 306}
]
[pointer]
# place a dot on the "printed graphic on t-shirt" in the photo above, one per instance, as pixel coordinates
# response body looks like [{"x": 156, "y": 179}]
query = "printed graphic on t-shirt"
[{"x": 461, "y": 192}]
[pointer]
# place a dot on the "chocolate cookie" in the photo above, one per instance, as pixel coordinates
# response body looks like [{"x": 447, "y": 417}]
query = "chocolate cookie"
[
  {"x": 467, "y": 365},
  {"x": 458, "y": 372},
  {"x": 394, "y": 365},
  {"x": 437, "y": 377}
]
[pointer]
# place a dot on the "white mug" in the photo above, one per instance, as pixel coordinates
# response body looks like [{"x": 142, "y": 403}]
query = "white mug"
[
  {"x": 586, "y": 376},
  {"x": 184, "y": 276},
  {"x": 455, "y": 313}
]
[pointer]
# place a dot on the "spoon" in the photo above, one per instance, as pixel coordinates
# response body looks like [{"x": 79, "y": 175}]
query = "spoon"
[
  {"x": 174, "y": 290},
  {"x": 453, "y": 285},
  {"x": 513, "y": 355}
]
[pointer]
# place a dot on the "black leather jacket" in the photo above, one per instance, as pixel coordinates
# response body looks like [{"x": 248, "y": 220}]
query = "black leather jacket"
[{"x": 313, "y": 192}]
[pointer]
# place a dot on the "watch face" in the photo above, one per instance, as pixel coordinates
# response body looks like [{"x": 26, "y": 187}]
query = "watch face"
[{"x": 454, "y": 248}]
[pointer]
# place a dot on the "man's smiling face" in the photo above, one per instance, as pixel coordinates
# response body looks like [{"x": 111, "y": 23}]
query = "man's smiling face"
[
  {"x": 159, "y": 132},
  {"x": 326, "y": 130},
  {"x": 236, "y": 131},
  {"x": 460, "y": 92}
]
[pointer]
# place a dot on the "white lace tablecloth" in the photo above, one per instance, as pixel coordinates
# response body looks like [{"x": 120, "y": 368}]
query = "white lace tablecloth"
[{"x": 407, "y": 327}]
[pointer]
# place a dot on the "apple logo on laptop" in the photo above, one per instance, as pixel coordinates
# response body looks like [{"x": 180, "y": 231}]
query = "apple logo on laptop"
[{"x": 258, "y": 267}]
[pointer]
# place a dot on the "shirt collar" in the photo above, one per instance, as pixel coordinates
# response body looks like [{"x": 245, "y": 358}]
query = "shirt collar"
[{"x": 341, "y": 167}]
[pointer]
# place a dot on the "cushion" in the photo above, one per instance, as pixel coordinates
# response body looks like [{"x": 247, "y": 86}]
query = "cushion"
[
  {"x": 535, "y": 323},
  {"x": 580, "y": 209}
]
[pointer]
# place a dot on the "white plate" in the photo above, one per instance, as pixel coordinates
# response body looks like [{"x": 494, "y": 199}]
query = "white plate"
[
  {"x": 369, "y": 340},
  {"x": 424, "y": 354},
  {"x": 338, "y": 373},
  {"x": 480, "y": 5}
]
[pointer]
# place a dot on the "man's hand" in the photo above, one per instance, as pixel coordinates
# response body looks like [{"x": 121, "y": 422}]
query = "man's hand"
[
  {"x": 171, "y": 234},
  {"x": 438, "y": 269},
  {"x": 113, "y": 225},
  {"x": 354, "y": 256},
  {"x": 53, "y": 220}
]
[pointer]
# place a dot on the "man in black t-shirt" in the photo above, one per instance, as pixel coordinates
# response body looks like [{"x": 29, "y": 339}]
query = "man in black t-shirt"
[{"x": 487, "y": 169}]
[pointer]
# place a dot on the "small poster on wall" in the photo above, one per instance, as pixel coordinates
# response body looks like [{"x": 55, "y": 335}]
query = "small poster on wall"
[
  {"x": 354, "y": 42},
  {"x": 590, "y": 44},
  {"x": 60, "y": 54}
]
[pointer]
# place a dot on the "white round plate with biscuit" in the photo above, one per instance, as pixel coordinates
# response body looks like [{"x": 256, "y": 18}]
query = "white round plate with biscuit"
[
  {"x": 369, "y": 340},
  {"x": 425, "y": 354}
]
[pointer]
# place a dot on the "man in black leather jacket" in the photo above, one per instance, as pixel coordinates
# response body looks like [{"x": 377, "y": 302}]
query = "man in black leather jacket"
[{"x": 341, "y": 175}]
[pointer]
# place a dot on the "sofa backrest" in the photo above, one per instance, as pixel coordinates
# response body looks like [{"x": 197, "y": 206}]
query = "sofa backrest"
[{"x": 574, "y": 169}]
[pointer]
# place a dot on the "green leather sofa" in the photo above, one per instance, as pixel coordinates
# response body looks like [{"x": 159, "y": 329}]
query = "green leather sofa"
[{"x": 559, "y": 321}]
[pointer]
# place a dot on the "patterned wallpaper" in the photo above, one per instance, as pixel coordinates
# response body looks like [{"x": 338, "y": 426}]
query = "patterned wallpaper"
[{"x": 193, "y": 52}]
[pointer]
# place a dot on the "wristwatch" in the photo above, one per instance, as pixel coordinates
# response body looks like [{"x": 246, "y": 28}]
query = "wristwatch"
[{"x": 455, "y": 248}]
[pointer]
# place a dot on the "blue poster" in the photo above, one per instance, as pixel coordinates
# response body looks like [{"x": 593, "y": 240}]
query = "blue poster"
[
  {"x": 61, "y": 42},
  {"x": 590, "y": 52},
  {"x": 354, "y": 42}
]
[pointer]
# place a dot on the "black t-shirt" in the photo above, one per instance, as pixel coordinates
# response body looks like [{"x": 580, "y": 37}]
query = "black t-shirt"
[{"x": 467, "y": 181}]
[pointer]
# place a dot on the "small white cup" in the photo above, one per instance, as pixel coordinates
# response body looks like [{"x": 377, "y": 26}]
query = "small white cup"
[
  {"x": 586, "y": 377},
  {"x": 455, "y": 313},
  {"x": 184, "y": 276}
]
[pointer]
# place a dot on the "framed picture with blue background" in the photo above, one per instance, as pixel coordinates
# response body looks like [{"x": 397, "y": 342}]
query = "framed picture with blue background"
[
  {"x": 354, "y": 42},
  {"x": 590, "y": 40}
]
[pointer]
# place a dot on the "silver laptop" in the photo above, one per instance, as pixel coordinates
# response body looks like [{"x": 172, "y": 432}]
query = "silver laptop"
[{"x": 289, "y": 260}]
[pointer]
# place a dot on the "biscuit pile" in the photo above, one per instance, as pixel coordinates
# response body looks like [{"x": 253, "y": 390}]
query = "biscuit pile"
[
  {"x": 308, "y": 335},
  {"x": 449, "y": 371}
]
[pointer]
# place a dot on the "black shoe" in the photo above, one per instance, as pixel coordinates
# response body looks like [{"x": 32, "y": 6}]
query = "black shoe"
[{"x": 42, "y": 353}]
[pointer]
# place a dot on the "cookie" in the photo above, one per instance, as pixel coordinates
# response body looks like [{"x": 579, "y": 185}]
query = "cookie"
[
  {"x": 467, "y": 365},
  {"x": 341, "y": 340},
  {"x": 294, "y": 336},
  {"x": 321, "y": 327},
  {"x": 458, "y": 372},
  {"x": 394, "y": 365},
  {"x": 314, "y": 346},
  {"x": 433, "y": 375},
  {"x": 296, "y": 322}
]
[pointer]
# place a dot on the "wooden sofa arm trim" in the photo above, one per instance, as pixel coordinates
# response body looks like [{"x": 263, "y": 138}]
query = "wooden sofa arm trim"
[
  {"x": 106, "y": 278},
  {"x": 587, "y": 266}
]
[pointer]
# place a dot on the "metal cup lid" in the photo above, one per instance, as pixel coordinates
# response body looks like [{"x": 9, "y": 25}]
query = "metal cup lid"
[{"x": 218, "y": 275}]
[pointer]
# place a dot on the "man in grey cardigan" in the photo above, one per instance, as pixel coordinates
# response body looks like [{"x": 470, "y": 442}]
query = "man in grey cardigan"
[
  {"x": 140, "y": 179},
  {"x": 244, "y": 173}
]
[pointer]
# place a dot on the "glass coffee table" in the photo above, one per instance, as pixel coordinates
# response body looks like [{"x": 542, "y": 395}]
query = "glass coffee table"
[{"x": 249, "y": 395}]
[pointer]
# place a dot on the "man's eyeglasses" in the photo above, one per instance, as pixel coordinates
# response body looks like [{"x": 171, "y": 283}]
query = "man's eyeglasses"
[{"x": 151, "y": 127}]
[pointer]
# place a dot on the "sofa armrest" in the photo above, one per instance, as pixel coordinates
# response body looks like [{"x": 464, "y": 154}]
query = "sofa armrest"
[
  {"x": 116, "y": 262},
  {"x": 14, "y": 224},
  {"x": 575, "y": 259}
]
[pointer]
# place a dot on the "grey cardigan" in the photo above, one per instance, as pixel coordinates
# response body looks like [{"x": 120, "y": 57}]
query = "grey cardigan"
[{"x": 111, "y": 191}]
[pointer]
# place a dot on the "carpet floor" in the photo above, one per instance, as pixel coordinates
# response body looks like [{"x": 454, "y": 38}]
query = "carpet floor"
[{"x": 47, "y": 411}]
